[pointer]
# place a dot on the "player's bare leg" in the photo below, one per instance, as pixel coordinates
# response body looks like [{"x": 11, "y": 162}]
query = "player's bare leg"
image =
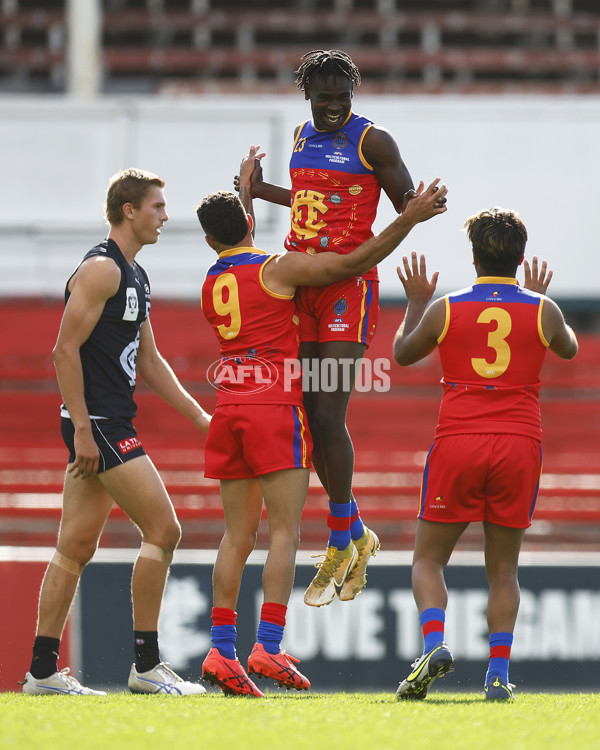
[
  {"x": 86, "y": 506},
  {"x": 138, "y": 489},
  {"x": 343, "y": 570},
  {"x": 242, "y": 505},
  {"x": 502, "y": 548},
  {"x": 334, "y": 459},
  {"x": 284, "y": 494},
  {"x": 434, "y": 543}
]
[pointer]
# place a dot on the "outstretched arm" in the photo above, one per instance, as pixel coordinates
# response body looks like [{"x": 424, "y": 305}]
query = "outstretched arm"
[
  {"x": 260, "y": 189},
  {"x": 288, "y": 271},
  {"x": 249, "y": 164},
  {"x": 560, "y": 337}
]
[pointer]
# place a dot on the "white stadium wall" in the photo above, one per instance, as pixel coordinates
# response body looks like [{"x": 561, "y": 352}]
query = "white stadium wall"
[{"x": 539, "y": 155}]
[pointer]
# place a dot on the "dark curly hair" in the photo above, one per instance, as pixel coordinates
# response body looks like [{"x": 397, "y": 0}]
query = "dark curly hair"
[
  {"x": 324, "y": 63},
  {"x": 498, "y": 237},
  {"x": 223, "y": 218}
]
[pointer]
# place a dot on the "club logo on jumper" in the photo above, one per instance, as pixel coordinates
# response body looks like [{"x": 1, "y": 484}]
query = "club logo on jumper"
[
  {"x": 243, "y": 374},
  {"x": 340, "y": 307},
  {"x": 128, "y": 359},
  {"x": 128, "y": 445},
  {"x": 131, "y": 306},
  {"x": 340, "y": 140},
  {"x": 355, "y": 189}
]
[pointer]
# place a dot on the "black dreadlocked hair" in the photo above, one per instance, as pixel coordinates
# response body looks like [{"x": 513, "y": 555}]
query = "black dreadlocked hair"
[{"x": 324, "y": 63}]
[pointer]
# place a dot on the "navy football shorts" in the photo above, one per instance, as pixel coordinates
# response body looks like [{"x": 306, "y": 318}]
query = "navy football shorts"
[{"x": 115, "y": 437}]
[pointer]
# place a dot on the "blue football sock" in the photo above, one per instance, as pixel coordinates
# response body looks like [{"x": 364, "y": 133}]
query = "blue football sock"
[
  {"x": 339, "y": 524},
  {"x": 223, "y": 638},
  {"x": 357, "y": 527},
  {"x": 432, "y": 624},
  {"x": 500, "y": 645},
  {"x": 270, "y": 636}
]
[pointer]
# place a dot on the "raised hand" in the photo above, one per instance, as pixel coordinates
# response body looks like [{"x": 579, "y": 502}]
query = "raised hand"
[
  {"x": 414, "y": 279},
  {"x": 423, "y": 203},
  {"x": 537, "y": 279},
  {"x": 250, "y": 169}
]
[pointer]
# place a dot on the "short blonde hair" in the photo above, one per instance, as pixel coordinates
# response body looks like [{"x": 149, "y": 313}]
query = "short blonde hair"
[{"x": 128, "y": 186}]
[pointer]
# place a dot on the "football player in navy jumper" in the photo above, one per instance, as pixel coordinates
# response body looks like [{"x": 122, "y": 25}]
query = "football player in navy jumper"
[{"x": 105, "y": 340}]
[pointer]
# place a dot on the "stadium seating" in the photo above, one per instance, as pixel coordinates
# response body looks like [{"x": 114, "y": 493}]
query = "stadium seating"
[
  {"x": 195, "y": 46},
  {"x": 463, "y": 46},
  {"x": 391, "y": 431}
]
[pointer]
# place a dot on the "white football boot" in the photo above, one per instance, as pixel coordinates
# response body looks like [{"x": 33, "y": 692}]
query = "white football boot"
[
  {"x": 162, "y": 680},
  {"x": 59, "y": 683}
]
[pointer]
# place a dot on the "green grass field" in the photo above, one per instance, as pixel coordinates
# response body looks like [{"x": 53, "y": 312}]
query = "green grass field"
[{"x": 292, "y": 721}]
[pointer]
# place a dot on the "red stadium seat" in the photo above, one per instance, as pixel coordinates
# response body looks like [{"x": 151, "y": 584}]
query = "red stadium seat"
[{"x": 391, "y": 432}]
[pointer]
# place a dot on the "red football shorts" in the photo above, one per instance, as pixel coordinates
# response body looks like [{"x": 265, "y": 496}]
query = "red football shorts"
[
  {"x": 345, "y": 311},
  {"x": 249, "y": 440},
  {"x": 487, "y": 477}
]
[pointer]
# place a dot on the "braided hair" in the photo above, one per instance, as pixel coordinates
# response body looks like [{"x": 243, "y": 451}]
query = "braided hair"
[{"x": 324, "y": 63}]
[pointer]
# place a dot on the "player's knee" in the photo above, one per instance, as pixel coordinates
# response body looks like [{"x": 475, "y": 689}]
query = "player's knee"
[
  {"x": 242, "y": 543},
  {"x": 150, "y": 551},
  {"x": 328, "y": 422},
  {"x": 69, "y": 564},
  {"x": 292, "y": 540},
  {"x": 171, "y": 537},
  {"x": 166, "y": 538},
  {"x": 503, "y": 577},
  {"x": 285, "y": 536},
  {"x": 247, "y": 545},
  {"x": 78, "y": 544}
]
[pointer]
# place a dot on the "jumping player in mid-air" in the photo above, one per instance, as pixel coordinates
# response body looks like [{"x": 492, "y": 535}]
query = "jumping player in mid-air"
[{"x": 340, "y": 162}]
